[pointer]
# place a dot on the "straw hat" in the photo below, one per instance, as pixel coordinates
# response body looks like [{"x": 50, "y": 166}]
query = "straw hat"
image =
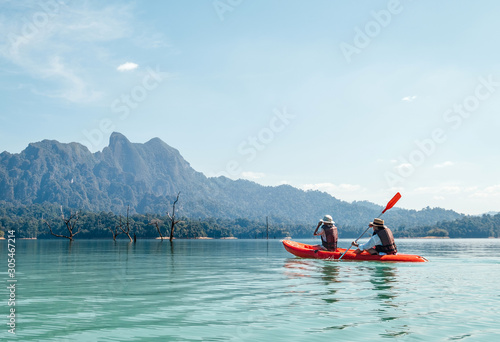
[{"x": 378, "y": 223}]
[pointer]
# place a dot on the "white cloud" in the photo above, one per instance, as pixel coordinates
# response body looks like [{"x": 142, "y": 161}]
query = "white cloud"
[
  {"x": 127, "y": 66},
  {"x": 349, "y": 187},
  {"x": 348, "y": 192},
  {"x": 488, "y": 192},
  {"x": 409, "y": 98},
  {"x": 331, "y": 188},
  {"x": 344, "y": 191},
  {"x": 149, "y": 40},
  {"x": 77, "y": 89},
  {"x": 443, "y": 189},
  {"x": 252, "y": 175},
  {"x": 472, "y": 191},
  {"x": 404, "y": 166},
  {"x": 58, "y": 53},
  {"x": 445, "y": 164}
]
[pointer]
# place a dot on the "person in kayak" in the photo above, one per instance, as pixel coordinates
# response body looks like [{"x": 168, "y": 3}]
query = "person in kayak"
[
  {"x": 381, "y": 242},
  {"x": 328, "y": 233}
]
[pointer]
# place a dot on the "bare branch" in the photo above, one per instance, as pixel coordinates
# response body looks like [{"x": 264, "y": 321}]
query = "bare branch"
[
  {"x": 114, "y": 231},
  {"x": 57, "y": 235},
  {"x": 177, "y": 199},
  {"x": 173, "y": 222},
  {"x": 71, "y": 224},
  {"x": 157, "y": 223},
  {"x": 127, "y": 231}
]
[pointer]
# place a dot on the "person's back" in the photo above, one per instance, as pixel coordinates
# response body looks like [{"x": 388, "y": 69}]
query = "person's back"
[
  {"x": 329, "y": 233},
  {"x": 381, "y": 242},
  {"x": 388, "y": 245}
]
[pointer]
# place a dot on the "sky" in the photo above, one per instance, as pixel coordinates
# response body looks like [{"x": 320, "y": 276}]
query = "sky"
[{"x": 360, "y": 99}]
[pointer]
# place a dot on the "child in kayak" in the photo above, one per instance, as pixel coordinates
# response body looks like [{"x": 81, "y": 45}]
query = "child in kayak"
[
  {"x": 328, "y": 233},
  {"x": 381, "y": 242}
]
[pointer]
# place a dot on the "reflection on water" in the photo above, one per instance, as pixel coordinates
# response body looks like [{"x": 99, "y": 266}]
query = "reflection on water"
[
  {"x": 383, "y": 278},
  {"x": 330, "y": 275},
  {"x": 386, "y": 287},
  {"x": 297, "y": 268},
  {"x": 330, "y": 272},
  {"x": 251, "y": 291},
  {"x": 350, "y": 290}
]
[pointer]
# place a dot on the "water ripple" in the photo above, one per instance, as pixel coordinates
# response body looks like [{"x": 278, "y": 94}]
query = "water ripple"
[{"x": 251, "y": 290}]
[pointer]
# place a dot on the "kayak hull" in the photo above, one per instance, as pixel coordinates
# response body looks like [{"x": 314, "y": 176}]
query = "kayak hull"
[{"x": 303, "y": 250}]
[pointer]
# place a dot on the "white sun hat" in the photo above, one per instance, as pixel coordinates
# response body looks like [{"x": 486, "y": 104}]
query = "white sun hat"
[{"x": 327, "y": 219}]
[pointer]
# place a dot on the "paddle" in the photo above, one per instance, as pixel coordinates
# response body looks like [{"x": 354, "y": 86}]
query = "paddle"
[{"x": 389, "y": 205}]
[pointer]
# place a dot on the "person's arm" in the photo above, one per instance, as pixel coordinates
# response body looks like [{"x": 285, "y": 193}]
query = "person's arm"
[
  {"x": 321, "y": 232},
  {"x": 374, "y": 241},
  {"x": 315, "y": 231}
]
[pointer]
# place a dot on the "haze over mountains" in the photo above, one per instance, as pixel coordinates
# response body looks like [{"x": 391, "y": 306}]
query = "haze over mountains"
[{"x": 148, "y": 176}]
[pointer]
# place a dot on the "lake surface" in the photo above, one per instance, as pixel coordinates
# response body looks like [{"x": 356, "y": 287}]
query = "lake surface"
[{"x": 249, "y": 290}]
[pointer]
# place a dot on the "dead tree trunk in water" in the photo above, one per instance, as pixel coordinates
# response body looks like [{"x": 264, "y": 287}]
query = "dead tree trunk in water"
[
  {"x": 127, "y": 230},
  {"x": 173, "y": 222},
  {"x": 70, "y": 223},
  {"x": 157, "y": 223},
  {"x": 115, "y": 232}
]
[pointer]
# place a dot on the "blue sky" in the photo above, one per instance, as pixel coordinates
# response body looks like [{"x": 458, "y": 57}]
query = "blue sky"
[{"x": 360, "y": 99}]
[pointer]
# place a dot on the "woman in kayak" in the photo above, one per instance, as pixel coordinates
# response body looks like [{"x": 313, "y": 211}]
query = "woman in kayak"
[
  {"x": 328, "y": 233},
  {"x": 381, "y": 242}
]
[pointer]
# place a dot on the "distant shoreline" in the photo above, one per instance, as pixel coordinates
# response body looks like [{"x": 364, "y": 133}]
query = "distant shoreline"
[
  {"x": 235, "y": 238},
  {"x": 426, "y": 237},
  {"x": 3, "y": 238}
]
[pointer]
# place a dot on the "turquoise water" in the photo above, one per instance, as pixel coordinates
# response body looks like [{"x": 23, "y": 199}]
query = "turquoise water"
[{"x": 249, "y": 290}]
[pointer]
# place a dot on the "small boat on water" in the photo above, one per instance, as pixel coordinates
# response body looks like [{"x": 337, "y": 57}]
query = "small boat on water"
[{"x": 303, "y": 250}]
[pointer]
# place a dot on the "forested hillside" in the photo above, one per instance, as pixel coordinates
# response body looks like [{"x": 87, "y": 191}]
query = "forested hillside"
[
  {"x": 147, "y": 177},
  {"x": 31, "y": 222},
  {"x": 485, "y": 226}
]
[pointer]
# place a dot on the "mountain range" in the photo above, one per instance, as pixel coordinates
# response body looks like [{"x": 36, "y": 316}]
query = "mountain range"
[{"x": 147, "y": 178}]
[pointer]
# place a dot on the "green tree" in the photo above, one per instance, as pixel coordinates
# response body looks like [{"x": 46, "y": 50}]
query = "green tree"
[{"x": 437, "y": 232}]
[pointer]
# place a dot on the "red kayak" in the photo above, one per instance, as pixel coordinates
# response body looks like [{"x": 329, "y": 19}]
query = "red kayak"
[{"x": 315, "y": 252}]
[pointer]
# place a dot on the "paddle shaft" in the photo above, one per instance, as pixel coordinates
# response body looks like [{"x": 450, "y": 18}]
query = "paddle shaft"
[
  {"x": 357, "y": 239},
  {"x": 389, "y": 206}
]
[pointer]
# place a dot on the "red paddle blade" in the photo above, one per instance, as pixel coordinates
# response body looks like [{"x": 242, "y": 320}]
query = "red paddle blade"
[{"x": 392, "y": 202}]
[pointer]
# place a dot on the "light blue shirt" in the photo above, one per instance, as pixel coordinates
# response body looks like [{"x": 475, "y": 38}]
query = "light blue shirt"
[{"x": 374, "y": 241}]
